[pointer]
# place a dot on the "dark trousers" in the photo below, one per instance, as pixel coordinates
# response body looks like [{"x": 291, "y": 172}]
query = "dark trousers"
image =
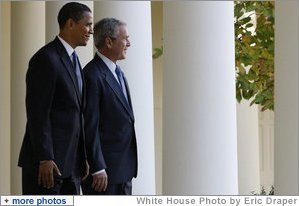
[
  {"x": 62, "y": 186},
  {"x": 112, "y": 189}
]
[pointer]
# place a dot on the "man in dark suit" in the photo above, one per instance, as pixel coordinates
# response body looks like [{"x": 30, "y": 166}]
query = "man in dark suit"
[
  {"x": 109, "y": 120},
  {"x": 53, "y": 156}
]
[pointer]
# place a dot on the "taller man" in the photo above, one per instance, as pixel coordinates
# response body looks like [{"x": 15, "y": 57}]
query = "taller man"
[
  {"x": 109, "y": 119},
  {"x": 53, "y": 155}
]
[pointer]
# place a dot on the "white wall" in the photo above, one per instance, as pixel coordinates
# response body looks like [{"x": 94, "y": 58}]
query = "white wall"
[
  {"x": 248, "y": 148},
  {"x": 266, "y": 142}
]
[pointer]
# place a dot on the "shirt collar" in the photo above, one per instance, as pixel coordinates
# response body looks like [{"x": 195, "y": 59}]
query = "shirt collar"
[
  {"x": 110, "y": 64},
  {"x": 68, "y": 47}
]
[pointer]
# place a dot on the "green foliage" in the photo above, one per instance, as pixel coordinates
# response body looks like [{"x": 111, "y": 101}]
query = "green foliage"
[
  {"x": 255, "y": 52},
  {"x": 157, "y": 52}
]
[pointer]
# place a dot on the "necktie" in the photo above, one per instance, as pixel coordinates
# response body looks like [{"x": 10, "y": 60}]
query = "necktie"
[
  {"x": 77, "y": 71},
  {"x": 120, "y": 77}
]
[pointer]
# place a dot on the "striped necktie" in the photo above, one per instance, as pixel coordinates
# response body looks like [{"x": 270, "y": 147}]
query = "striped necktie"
[
  {"x": 77, "y": 71},
  {"x": 120, "y": 77}
]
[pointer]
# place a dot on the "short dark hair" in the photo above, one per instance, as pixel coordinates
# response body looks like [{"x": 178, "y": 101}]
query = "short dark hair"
[
  {"x": 72, "y": 10},
  {"x": 107, "y": 27}
]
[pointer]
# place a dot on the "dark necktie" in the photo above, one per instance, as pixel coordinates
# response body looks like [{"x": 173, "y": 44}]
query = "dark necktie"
[
  {"x": 120, "y": 77},
  {"x": 77, "y": 71}
]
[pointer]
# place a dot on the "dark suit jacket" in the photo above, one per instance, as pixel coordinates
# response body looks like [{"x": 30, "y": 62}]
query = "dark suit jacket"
[
  {"x": 109, "y": 124},
  {"x": 54, "y": 129}
]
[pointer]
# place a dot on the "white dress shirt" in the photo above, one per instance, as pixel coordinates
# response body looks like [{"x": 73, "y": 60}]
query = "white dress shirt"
[
  {"x": 68, "y": 47},
  {"x": 110, "y": 64}
]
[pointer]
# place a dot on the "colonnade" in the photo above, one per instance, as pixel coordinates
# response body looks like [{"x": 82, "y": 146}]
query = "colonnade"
[{"x": 199, "y": 148}]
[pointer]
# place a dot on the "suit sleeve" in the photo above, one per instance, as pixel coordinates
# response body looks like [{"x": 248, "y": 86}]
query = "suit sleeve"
[
  {"x": 40, "y": 87},
  {"x": 92, "y": 122}
]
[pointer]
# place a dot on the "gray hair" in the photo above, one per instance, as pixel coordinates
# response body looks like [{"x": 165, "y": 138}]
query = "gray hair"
[{"x": 107, "y": 27}]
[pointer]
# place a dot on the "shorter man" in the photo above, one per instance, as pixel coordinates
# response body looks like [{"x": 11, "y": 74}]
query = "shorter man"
[{"x": 109, "y": 119}]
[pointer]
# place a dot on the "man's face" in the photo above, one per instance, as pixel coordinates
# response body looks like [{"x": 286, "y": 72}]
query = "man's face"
[
  {"x": 120, "y": 44},
  {"x": 82, "y": 29}
]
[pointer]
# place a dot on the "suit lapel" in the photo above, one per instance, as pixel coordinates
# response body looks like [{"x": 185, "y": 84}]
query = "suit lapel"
[
  {"x": 114, "y": 85},
  {"x": 68, "y": 66},
  {"x": 128, "y": 92}
]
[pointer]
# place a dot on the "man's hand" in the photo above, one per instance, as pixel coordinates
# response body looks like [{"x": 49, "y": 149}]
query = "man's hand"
[
  {"x": 46, "y": 171},
  {"x": 100, "y": 182}
]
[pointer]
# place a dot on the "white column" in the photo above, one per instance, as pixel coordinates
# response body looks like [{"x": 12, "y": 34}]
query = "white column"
[
  {"x": 138, "y": 69},
  {"x": 286, "y": 157},
  {"x": 52, "y": 26},
  {"x": 5, "y": 98},
  {"x": 85, "y": 53},
  {"x": 199, "y": 106},
  {"x": 248, "y": 148},
  {"x": 157, "y": 24},
  {"x": 27, "y": 36}
]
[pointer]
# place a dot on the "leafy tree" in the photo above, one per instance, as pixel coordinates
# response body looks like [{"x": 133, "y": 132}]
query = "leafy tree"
[{"x": 255, "y": 52}]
